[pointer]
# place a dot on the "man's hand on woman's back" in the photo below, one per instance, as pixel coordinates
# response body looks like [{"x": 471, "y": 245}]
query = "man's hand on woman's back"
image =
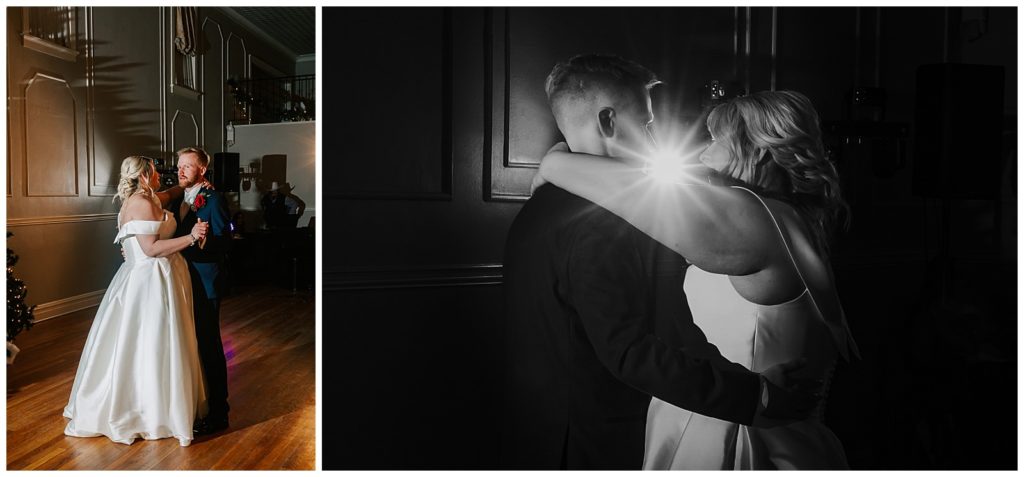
[{"x": 786, "y": 398}]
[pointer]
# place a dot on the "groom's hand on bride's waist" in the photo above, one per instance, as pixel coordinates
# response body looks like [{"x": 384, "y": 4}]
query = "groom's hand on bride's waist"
[{"x": 786, "y": 398}]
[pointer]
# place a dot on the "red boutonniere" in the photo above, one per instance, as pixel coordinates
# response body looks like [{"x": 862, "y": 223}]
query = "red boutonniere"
[{"x": 199, "y": 201}]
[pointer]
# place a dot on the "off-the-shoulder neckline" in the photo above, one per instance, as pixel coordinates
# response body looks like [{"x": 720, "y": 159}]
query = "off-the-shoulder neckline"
[{"x": 140, "y": 220}]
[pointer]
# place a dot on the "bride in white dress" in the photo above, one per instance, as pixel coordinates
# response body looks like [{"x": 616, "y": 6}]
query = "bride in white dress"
[
  {"x": 139, "y": 375},
  {"x": 760, "y": 287}
]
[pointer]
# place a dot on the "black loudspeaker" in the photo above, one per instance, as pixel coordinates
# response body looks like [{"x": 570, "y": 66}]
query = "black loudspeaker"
[
  {"x": 225, "y": 171},
  {"x": 958, "y": 131}
]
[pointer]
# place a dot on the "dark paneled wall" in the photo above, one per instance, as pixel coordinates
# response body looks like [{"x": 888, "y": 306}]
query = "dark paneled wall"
[
  {"x": 412, "y": 250},
  {"x": 406, "y": 95},
  {"x": 412, "y": 380},
  {"x": 435, "y": 120}
]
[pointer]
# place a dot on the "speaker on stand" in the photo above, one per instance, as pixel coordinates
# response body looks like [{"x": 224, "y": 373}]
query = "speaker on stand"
[{"x": 225, "y": 171}]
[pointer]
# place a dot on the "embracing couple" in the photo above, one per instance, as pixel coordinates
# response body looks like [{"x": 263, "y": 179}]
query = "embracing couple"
[
  {"x": 590, "y": 384},
  {"x": 153, "y": 366}
]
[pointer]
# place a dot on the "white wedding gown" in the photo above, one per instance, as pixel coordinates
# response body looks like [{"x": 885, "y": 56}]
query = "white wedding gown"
[
  {"x": 757, "y": 337},
  {"x": 140, "y": 376}
]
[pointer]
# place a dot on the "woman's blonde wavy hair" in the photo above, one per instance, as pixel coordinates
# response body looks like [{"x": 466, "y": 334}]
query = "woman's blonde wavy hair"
[
  {"x": 132, "y": 169},
  {"x": 774, "y": 140}
]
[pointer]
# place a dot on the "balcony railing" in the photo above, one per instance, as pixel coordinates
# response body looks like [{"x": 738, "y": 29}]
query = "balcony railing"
[{"x": 273, "y": 100}]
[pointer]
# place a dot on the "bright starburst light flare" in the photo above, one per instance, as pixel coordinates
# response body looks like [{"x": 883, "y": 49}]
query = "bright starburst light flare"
[
  {"x": 673, "y": 157},
  {"x": 671, "y": 182}
]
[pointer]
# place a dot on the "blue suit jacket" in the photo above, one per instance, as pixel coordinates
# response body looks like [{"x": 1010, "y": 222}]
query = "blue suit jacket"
[{"x": 209, "y": 260}]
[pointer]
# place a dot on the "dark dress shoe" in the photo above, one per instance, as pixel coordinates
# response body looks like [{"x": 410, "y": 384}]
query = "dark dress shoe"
[{"x": 209, "y": 425}]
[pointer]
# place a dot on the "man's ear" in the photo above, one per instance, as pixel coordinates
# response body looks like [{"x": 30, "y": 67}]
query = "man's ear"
[{"x": 606, "y": 122}]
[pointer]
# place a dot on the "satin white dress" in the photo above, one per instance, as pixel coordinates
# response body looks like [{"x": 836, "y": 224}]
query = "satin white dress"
[
  {"x": 757, "y": 337},
  {"x": 140, "y": 375}
]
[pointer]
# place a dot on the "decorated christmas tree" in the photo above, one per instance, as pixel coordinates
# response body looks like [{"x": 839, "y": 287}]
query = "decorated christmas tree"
[{"x": 19, "y": 314}]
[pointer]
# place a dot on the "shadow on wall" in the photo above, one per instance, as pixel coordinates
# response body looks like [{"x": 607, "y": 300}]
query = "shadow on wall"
[{"x": 122, "y": 125}]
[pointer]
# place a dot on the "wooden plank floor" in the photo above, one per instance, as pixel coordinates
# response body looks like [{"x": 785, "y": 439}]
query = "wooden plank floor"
[{"x": 269, "y": 340}]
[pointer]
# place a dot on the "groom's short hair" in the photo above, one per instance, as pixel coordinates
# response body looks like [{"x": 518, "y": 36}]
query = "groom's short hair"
[
  {"x": 580, "y": 78},
  {"x": 204, "y": 158}
]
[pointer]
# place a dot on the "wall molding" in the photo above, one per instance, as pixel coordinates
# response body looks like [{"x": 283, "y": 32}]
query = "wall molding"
[
  {"x": 747, "y": 48},
  {"x": 775, "y": 46},
  {"x": 38, "y": 79},
  {"x": 45, "y": 47},
  {"x": 60, "y": 219},
  {"x": 165, "y": 76},
  {"x": 10, "y": 185},
  {"x": 53, "y": 309},
  {"x": 95, "y": 189},
  {"x": 431, "y": 276},
  {"x": 750, "y": 64},
  {"x": 497, "y": 83},
  {"x": 245, "y": 56},
  {"x": 174, "y": 122},
  {"x": 222, "y": 64}
]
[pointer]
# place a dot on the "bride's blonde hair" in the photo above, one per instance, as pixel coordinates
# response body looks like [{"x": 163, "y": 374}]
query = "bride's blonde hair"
[
  {"x": 775, "y": 137},
  {"x": 132, "y": 169}
]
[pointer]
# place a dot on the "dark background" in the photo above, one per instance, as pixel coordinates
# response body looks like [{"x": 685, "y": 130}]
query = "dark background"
[{"x": 434, "y": 119}]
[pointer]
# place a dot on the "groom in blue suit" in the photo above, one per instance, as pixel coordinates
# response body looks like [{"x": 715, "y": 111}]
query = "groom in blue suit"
[{"x": 207, "y": 268}]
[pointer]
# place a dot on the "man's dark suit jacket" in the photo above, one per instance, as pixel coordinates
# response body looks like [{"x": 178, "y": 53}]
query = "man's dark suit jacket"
[
  {"x": 582, "y": 359},
  {"x": 207, "y": 262}
]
